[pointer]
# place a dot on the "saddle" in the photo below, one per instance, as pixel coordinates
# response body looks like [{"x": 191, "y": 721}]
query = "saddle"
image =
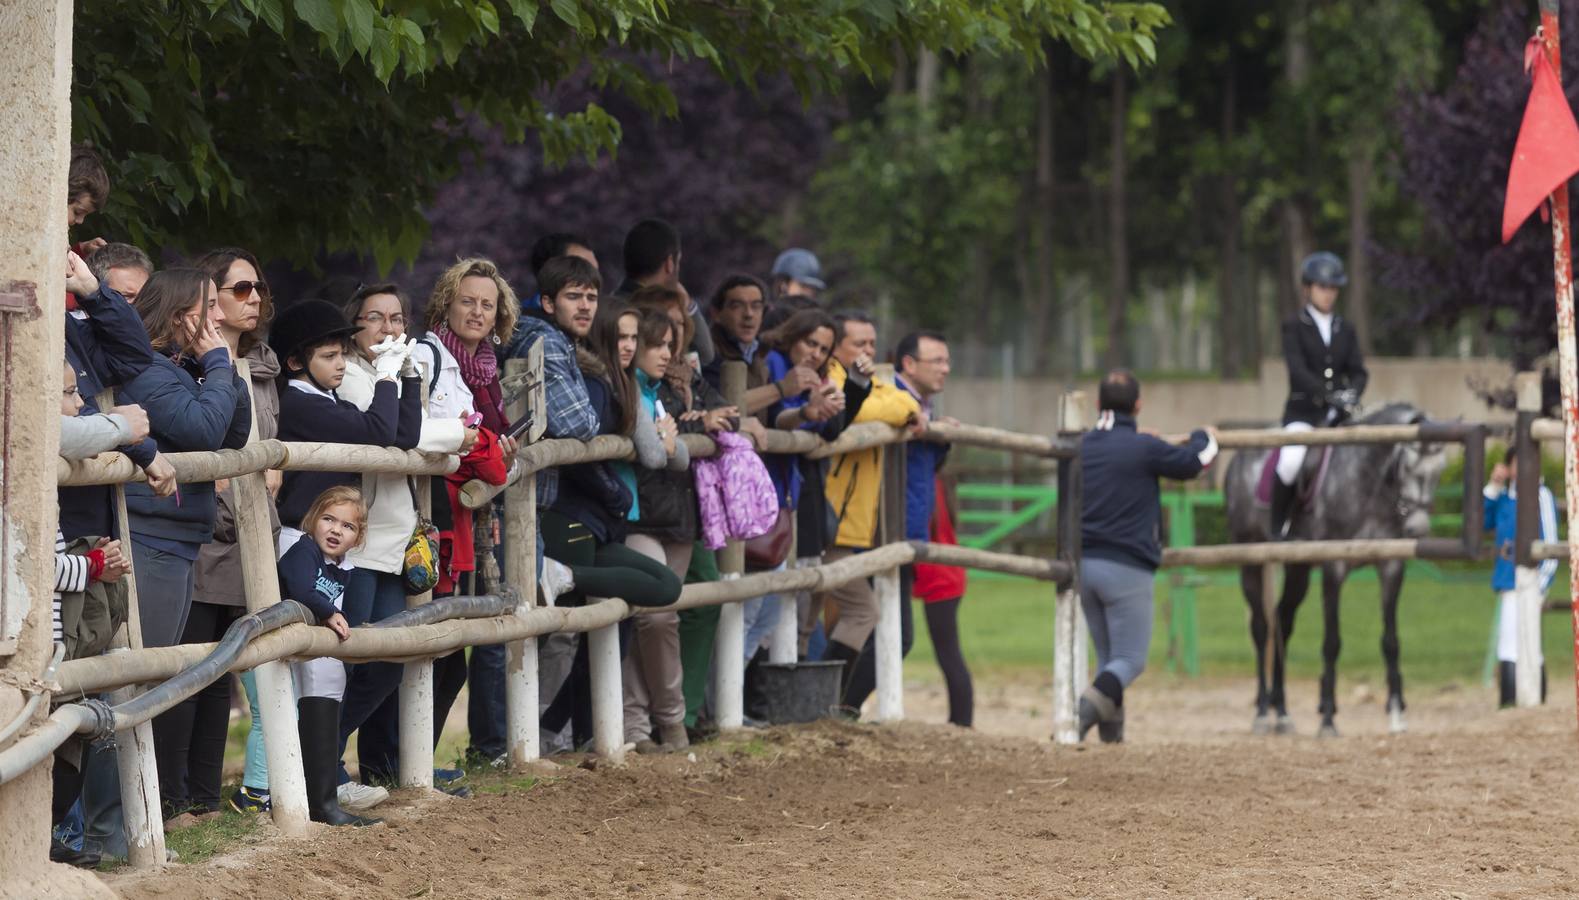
[{"x": 1311, "y": 475}]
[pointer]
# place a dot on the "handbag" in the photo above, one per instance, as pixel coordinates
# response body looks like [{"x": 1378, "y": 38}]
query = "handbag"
[
  {"x": 419, "y": 569},
  {"x": 768, "y": 551}
]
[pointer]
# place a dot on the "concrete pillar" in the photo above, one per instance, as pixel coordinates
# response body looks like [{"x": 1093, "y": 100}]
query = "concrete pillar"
[{"x": 35, "y": 86}]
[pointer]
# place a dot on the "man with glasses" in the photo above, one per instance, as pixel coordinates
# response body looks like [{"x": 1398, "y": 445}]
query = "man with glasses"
[{"x": 738, "y": 308}]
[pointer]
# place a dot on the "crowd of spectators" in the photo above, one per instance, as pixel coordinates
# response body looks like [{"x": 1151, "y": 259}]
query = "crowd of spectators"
[{"x": 200, "y": 356}]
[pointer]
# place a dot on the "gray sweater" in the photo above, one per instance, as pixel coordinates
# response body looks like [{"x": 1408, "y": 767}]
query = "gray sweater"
[{"x": 85, "y": 436}]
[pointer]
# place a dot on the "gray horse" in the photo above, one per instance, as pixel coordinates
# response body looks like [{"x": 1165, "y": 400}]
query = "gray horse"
[{"x": 1369, "y": 491}]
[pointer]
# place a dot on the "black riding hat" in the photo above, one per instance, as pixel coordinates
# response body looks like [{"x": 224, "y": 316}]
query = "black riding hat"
[
  {"x": 1323, "y": 268},
  {"x": 305, "y": 324}
]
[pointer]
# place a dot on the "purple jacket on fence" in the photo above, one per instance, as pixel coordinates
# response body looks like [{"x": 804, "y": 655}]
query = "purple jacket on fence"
[{"x": 734, "y": 494}]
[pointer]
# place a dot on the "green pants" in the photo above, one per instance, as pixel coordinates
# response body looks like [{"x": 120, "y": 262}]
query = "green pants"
[
  {"x": 606, "y": 570},
  {"x": 698, "y": 628}
]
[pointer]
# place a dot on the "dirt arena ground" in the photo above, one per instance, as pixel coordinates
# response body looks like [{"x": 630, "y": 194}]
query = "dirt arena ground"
[{"x": 1467, "y": 804}]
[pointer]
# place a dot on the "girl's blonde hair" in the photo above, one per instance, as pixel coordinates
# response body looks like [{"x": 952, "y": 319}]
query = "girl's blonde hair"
[
  {"x": 448, "y": 288},
  {"x": 340, "y": 493}
]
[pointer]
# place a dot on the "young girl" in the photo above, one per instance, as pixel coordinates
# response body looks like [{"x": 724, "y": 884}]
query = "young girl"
[
  {"x": 665, "y": 533},
  {"x": 312, "y": 573}
]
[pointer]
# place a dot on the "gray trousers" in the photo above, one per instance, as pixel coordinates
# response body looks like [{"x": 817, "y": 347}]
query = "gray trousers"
[
  {"x": 164, "y": 594},
  {"x": 1117, "y": 601}
]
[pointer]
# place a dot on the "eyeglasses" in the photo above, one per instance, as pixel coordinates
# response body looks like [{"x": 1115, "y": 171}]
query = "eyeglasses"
[
  {"x": 244, "y": 289},
  {"x": 377, "y": 320}
]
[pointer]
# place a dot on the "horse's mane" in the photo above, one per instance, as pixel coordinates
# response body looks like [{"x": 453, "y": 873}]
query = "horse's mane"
[{"x": 1394, "y": 414}]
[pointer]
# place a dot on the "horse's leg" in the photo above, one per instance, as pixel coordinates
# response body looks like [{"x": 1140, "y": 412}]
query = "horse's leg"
[
  {"x": 1296, "y": 584},
  {"x": 1331, "y": 644},
  {"x": 1391, "y": 576},
  {"x": 1250, "y": 583}
]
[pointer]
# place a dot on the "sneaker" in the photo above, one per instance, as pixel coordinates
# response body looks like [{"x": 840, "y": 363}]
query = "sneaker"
[
  {"x": 60, "y": 852},
  {"x": 443, "y": 777},
  {"x": 555, "y": 579},
  {"x": 249, "y": 800},
  {"x": 357, "y": 797}
]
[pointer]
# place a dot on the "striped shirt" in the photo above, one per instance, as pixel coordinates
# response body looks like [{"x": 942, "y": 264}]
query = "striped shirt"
[{"x": 71, "y": 576}]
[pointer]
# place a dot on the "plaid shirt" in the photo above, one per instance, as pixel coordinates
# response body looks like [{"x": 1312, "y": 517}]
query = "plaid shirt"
[{"x": 570, "y": 413}]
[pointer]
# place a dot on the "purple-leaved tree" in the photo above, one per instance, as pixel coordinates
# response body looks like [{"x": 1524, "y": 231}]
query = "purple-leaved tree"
[{"x": 1456, "y": 149}]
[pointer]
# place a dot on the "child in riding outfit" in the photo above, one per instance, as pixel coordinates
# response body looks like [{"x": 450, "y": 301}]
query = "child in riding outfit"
[
  {"x": 1501, "y": 518},
  {"x": 1326, "y": 374}
]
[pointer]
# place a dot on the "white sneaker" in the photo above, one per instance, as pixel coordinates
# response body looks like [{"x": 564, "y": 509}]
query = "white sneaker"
[
  {"x": 555, "y": 579},
  {"x": 357, "y": 797}
]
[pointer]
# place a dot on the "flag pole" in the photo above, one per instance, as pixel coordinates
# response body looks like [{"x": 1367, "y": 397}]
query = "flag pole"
[{"x": 1562, "y": 256}]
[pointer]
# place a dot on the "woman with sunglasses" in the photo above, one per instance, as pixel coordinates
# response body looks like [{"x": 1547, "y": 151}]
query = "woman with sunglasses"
[
  {"x": 375, "y": 589},
  {"x": 195, "y": 401}
]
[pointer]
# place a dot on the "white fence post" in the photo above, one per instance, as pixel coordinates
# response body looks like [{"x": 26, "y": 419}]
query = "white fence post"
[
  {"x": 890, "y": 657},
  {"x": 1069, "y": 638},
  {"x": 416, "y": 684},
  {"x": 282, "y": 745},
  {"x": 141, "y": 812},
  {"x": 521, "y": 690},
  {"x": 729, "y": 648},
  {"x": 784, "y": 640},
  {"x": 1526, "y": 576},
  {"x": 608, "y": 695}
]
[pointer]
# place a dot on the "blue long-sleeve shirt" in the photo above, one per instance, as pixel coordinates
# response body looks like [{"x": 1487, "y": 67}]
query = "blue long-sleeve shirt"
[
  {"x": 1121, "y": 512},
  {"x": 1500, "y": 507}
]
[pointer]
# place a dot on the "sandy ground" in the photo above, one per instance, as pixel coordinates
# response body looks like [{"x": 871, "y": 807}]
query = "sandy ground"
[{"x": 1467, "y": 804}]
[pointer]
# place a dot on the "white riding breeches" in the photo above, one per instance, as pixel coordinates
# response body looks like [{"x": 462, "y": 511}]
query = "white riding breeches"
[{"x": 1291, "y": 458}]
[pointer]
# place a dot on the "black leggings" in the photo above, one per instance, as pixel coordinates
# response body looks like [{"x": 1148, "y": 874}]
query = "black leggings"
[
  {"x": 606, "y": 570},
  {"x": 189, "y": 740},
  {"x": 943, "y": 627}
]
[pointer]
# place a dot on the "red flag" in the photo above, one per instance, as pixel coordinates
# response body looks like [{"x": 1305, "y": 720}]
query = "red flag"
[{"x": 1547, "y": 154}]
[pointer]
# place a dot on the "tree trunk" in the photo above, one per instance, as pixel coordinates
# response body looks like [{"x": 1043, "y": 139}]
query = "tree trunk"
[
  {"x": 926, "y": 78},
  {"x": 1231, "y": 325},
  {"x": 1044, "y": 296},
  {"x": 1357, "y": 300},
  {"x": 1297, "y": 239},
  {"x": 1118, "y": 243}
]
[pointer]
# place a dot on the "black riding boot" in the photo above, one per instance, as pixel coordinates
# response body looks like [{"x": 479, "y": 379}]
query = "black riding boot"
[
  {"x": 318, "y": 722},
  {"x": 1507, "y": 691},
  {"x": 1283, "y": 496},
  {"x": 754, "y": 699}
]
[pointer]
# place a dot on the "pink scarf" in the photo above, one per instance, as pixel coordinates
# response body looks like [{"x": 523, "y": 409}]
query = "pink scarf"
[{"x": 480, "y": 371}]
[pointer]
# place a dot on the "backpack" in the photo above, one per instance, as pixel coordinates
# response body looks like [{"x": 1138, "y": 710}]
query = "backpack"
[
  {"x": 89, "y": 619},
  {"x": 735, "y": 496}
]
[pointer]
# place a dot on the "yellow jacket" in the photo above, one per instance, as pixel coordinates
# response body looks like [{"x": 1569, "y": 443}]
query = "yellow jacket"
[{"x": 855, "y": 478}]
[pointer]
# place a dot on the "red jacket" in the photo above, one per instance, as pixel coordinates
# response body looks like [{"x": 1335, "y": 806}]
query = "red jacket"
[
  {"x": 935, "y": 582},
  {"x": 457, "y": 551}
]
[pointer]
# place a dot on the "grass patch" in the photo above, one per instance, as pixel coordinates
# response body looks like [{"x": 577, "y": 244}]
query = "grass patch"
[
  {"x": 503, "y": 783},
  {"x": 217, "y": 835},
  {"x": 1445, "y": 630},
  {"x": 754, "y": 747}
]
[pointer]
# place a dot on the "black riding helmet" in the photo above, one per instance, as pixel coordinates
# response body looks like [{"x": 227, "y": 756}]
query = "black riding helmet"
[
  {"x": 307, "y": 324},
  {"x": 1323, "y": 268}
]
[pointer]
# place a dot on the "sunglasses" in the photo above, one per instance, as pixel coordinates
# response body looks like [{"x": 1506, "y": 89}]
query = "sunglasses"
[{"x": 244, "y": 289}]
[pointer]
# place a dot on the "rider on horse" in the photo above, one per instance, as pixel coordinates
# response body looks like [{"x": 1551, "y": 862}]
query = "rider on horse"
[{"x": 1325, "y": 374}]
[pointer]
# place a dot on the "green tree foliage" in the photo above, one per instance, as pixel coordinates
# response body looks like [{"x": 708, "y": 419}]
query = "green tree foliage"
[{"x": 305, "y": 126}]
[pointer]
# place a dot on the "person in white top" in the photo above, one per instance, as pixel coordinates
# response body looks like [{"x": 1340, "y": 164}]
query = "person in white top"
[{"x": 375, "y": 589}]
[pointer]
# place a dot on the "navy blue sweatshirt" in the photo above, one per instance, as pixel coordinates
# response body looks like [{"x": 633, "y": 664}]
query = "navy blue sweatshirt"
[
  {"x": 101, "y": 349},
  {"x": 1121, "y": 512},
  {"x": 590, "y": 493},
  {"x": 193, "y": 405},
  {"x": 311, "y": 580},
  {"x": 393, "y": 419}
]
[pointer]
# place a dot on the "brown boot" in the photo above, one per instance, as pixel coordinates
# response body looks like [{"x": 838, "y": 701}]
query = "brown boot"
[{"x": 673, "y": 737}]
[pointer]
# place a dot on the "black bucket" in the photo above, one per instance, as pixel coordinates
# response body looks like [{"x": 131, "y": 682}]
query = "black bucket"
[{"x": 800, "y": 692}]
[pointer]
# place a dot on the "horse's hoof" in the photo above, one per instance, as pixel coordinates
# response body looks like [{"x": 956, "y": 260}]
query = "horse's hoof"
[
  {"x": 1262, "y": 725},
  {"x": 1396, "y": 723},
  {"x": 1328, "y": 730},
  {"x": 1285, "y": 725}
]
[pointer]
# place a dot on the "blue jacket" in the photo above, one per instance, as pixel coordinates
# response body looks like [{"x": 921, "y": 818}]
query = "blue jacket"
[
  {"x": 570, "y": 411},
  {"x": 590, "y": 493},
  {"x": 193, "y": 406},
  {"x": 922, "y": 461},
  {"x": 1121, "y": 509},
  {"x": 311, "y": 580},
  {"x": 1500, "y": 508},
  {"x": 110, "y": 341}
]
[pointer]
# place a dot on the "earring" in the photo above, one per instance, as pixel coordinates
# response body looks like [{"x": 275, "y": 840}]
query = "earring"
[{"x": 497, "y": 341}]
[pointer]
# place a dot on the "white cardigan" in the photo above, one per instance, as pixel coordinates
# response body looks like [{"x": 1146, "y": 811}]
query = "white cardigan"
[
  {"x": 390, "y": 515},
  {"x": 449, "y": 397}
]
